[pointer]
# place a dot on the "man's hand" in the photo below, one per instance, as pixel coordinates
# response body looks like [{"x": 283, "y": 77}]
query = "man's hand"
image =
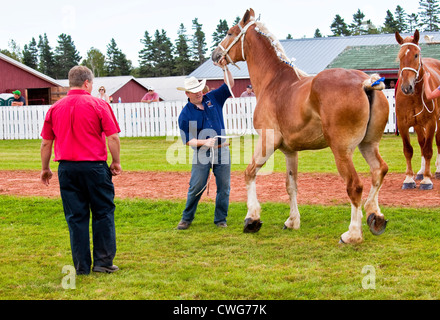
[
  {"x": 210, "y": 142},
  {"x": 115, "y": 168},
  {"x": 45, "y": 176}
]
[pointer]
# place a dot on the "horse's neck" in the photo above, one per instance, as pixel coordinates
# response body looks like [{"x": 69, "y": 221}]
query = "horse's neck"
[{"x": 263, "y": 63}]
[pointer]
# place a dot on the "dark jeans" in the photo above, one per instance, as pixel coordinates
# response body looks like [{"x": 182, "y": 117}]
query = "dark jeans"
[{"x": 87, "y": 186}]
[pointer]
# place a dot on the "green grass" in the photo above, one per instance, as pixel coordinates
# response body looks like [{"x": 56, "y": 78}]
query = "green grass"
[
  {"x": 169, "y": 154},
  {"x": 204, "y": 262}
]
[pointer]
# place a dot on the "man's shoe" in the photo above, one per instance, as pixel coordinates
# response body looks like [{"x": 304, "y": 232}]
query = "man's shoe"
[
  {"x": 222, "y": 225},
  {"x": 183, "y": 225},
  {"x": 109, "y": 269}
]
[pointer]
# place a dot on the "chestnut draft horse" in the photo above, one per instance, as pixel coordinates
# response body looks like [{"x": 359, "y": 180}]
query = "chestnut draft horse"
[
  {"x": 337, "y": 108},
  {"x": 414, "y": 110}
]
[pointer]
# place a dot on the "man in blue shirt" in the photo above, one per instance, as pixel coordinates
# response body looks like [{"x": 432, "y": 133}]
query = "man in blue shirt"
[
  {"x": 19, "y": 100},
  {"x": 201, "y": 122}
]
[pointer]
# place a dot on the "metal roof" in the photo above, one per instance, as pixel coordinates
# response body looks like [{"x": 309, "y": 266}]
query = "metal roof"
[{"x": 311, "y": 55}]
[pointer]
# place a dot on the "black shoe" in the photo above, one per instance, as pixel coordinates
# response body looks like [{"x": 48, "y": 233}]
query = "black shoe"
[
  {"x": 222, "y": 225},
  {"x": 183, "y": 225},
  {"x": 109, "y": 269}
]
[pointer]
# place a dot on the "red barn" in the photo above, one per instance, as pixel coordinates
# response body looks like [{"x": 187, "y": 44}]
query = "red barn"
[{"x": 35, "y": 87}]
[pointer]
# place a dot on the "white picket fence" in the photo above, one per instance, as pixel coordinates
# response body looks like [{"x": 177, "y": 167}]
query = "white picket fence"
[{"x": 146, "y": 120}]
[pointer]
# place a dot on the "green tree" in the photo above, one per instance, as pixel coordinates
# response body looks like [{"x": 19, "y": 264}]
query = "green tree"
[
  {"x": 146, "y": 56},
  {"x": 183, "y": 63},
  {"x": 66, "y": 56},
  {"x": 413, "y": 22},
  {"x": 14, "y": 52},
  {"x": 95, "y": 61},
  {"x": 358, "y": 25},
  {"x": 339, "y": 27},
  {"x": 199, "y": 48},
  {"x": 47, "y": 61},
  {"x": 30, "y": 54},
  {"x": 390, "y": 25},
  {"x": 219, "y": 33},
  {"x": 429, "y": 15},
  {"x": 401, "y": 19},
  {"x": 317, "y": 34},
  {"x": 163, "y": 60},
  {"x": 117, "y": 63}
]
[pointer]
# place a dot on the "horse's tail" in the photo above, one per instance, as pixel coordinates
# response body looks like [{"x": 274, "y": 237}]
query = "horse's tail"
[{"x": 375, "y": 82}]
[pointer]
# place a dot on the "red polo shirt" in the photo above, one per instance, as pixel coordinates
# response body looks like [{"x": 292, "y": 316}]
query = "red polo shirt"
[{"x": 79, "y": 124}]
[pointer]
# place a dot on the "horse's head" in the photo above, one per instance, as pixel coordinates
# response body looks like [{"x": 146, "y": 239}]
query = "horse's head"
[
  {"x": 410, "y": 62},
  {"x": 231, "y": 47}
]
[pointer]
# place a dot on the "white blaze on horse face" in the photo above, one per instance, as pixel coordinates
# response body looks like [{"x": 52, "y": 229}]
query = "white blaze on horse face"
[{"x": 407, "y": 51}]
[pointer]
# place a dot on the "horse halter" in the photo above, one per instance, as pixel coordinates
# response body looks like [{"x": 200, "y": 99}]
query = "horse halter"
[
  {"x": 420, "y": 61},
  {"x": 237, "y": 38}
]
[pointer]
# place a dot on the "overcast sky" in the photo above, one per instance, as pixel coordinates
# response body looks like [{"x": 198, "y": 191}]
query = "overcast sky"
[{"x": 93, "y": 23}]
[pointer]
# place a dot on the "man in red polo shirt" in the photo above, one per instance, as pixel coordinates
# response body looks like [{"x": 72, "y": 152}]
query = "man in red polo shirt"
[{"x": 79, "y": 124}]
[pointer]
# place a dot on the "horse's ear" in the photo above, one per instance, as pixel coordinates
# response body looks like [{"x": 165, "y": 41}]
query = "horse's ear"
[
  {"x": 416, "y": 37},
  {"x": 399, "y": 38},
  {"x": 246, "y": 17}
]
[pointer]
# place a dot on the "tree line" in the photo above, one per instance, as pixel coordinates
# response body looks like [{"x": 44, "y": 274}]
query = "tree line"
[{"x": 160, "y": 57}]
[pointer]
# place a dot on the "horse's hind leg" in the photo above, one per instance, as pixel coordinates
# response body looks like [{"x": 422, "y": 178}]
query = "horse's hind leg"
[
  {"x": 293, "y": 222},
  {"x": 344, "y": 163},
  {"x": 378, "y": 169}
]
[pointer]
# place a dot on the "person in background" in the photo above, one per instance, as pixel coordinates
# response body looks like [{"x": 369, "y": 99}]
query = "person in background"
[
  {"x": 19, "y": 100},
  {"x": 102, "y": 95},
  {"x": 248, "y": 92},
  {"x": 78, "y": 125},
  {"x": 150, "y": 96}
]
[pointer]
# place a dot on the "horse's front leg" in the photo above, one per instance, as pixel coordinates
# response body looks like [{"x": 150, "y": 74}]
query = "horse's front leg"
[
  {"x": 264, "y": 149},
  {"x": 409, "y": 182},
  {"x": 426, "y": 183},
  {"x": 437, "y": 142},
  {"x": 293, "y": 222}
]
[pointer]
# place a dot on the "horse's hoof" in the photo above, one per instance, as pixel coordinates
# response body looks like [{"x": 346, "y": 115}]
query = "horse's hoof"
[
  {"x": 252, "y": 226},
  {"x": 409, "y": 185},
  {"x": 341, "y": 241},
  {"x": 426, "y": 186},
  {"x": 437, "y": 175},
  {"x": 286, "y": 227},
  {"x": 419, "y": 177},
  {"x": 377, "y": 225}
]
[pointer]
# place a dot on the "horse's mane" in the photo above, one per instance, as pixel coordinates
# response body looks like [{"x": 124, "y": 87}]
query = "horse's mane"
[{"x": 279, "y": 50}]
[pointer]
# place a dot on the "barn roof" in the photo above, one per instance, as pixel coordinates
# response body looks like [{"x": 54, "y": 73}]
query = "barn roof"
[
  {"x": 312, "y": 55},
  {"x": 30, "y": 70},
  {"x": 164, "y": 86},
  {"x": 385, "y": 56},
  {"x": 111, "y": 84}
]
